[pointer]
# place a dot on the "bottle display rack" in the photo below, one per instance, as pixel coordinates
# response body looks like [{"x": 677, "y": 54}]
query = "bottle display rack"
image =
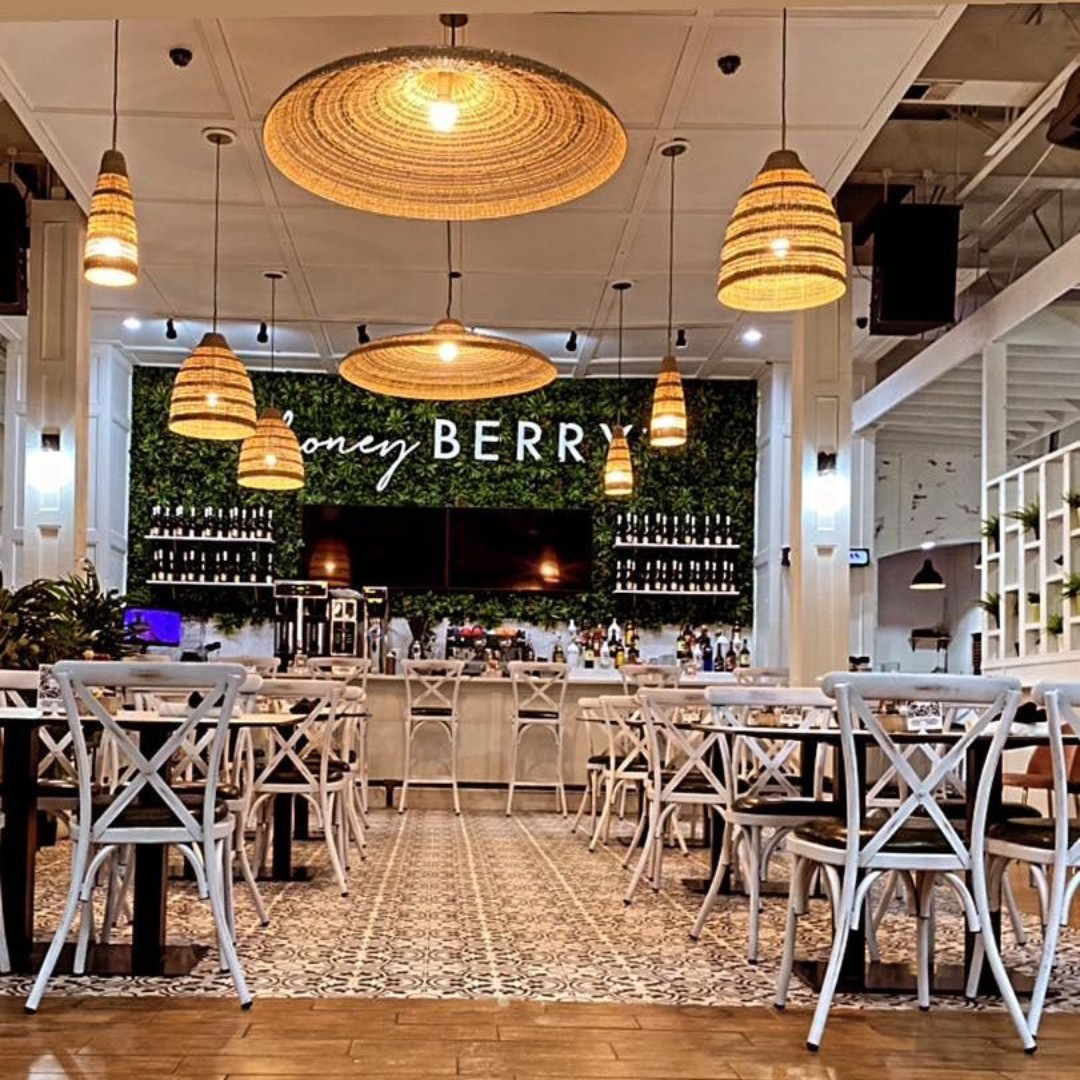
[
  {"x": 211, "y": 547},
  {"x": 659, "y": 529}
]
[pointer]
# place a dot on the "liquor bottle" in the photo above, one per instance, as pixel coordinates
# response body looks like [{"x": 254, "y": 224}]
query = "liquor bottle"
[
  {"x": 744, "y": 653},
  {"x": 573, "y": 649},
  {"x": 682, "y": 654},
  {"x": 588, "y": 656},
  {"x": 630, "y": 635},
  {"x": 557, "y": 654},
  {"x": 614, "y": 632},
  {"x": 723, "y": 643},
  {"x": 731, "y": 657},
  {"x": 707, "y": 659}
]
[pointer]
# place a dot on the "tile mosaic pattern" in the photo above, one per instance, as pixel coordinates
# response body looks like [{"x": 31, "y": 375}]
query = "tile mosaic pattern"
[{"x": 486, "y": 906}]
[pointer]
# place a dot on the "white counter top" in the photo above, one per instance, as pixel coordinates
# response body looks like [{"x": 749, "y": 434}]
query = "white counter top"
[{"x": 579, "y": 677}]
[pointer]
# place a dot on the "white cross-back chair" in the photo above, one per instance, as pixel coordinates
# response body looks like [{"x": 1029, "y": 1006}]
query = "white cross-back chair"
[
  {"x": 646, "y": 676},
  {"x": 5, "y": 956},
  {"x": 431, "y": 698},
  {"x": 145, "y": 809},
  {"x": 626, "y": 762},
  {"x": 588, "y": 713},
  {"x": 680, "y": 772},
  {"x": 762, "y": 784},
  {"x": 352, "y": 672},
  {"x": 539, "y": 691},
  {"x": 915, "y": 838},
  {"x": 302, "y": 759},
  {"x": 1050, "y": 846}
]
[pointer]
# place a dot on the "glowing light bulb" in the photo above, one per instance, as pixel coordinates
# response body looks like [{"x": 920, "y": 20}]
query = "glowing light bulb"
[
  {"x": 212, "y": 400},
  {"x": 448, "y": 351},
  {"x": 443, "y": 112},
  {"x": 443, "y": 115},
  {"x": 271, "y": 460},
  {"x": 111, "y": 247},
  {"x": 780, "y": 247}
]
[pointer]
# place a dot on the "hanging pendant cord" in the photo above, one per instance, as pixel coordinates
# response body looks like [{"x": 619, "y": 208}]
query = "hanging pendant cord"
[
  {"x": 273, "y": 321},
  {"x": 671, "y": 257},
  {"x": 115, "y": 77},
  {"x": 618, "y": 402},
  {"x": 217, "y": 223},
  {"x": 783, "y": 83},
  {"x": 449, "y": 271}
]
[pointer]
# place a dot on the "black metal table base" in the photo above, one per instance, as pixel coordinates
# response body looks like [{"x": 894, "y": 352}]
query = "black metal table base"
[
  {"x": 116, "y": 960},
  {"x": 946, "y": 980}
]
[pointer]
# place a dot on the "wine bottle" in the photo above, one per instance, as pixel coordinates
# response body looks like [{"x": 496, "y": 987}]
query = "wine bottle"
[
  {"x": 155, "y": 520},
  {"x": 178, "y": 522},
  {"x": 707, "y": 658},
  {"x": 269, "y": 566},
  {"x": 727, "y": 530},
  {"x": 744, "y": 653},
  {"x": 270, "y": 522},
  {"x": 658, "y": 528}
]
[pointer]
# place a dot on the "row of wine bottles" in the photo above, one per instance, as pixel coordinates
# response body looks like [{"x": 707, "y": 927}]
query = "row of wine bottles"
[
  {"x": 675, "y": 575},
  {"x": 219, "y": 566},
  {"x": 213, "y": 522},
  {"x": 658, "y": 527}
]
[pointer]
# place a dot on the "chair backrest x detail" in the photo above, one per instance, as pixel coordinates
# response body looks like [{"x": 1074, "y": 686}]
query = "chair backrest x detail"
[
  {"x": 681, "y": 745},
  {"x": 432, "y": 686},
  {"x": 301, "y": 745},
  {"x": 539, "y": 689},
  {"x": 627, "y": 738},
  {"x": 860, "y": 696}
]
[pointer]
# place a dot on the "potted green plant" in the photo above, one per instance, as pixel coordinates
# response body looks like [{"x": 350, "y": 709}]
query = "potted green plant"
[
  {"x": 1028, "y": 516},
  {"x": 1070, "y": 589},
  {"x": 1072, "y": 498},
  {"x": 1034, "y": 601},
  {"x": 1055, "y": 625},
  {"x": 991, "y": 530},
  {"x": 991, "y": 604}
]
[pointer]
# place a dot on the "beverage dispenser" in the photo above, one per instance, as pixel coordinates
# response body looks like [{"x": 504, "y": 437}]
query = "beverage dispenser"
[{"x": 300, "y": 620}]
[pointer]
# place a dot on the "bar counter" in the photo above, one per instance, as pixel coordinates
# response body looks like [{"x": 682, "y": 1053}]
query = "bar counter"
[{"x": 485, "y": 705}]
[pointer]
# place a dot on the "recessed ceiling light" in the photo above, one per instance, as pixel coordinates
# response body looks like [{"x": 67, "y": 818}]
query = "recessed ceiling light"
[
  {"x": 927, "y": 545},
  {"x": 751, "y": 336},
  {"x": 131, "y": 323}
]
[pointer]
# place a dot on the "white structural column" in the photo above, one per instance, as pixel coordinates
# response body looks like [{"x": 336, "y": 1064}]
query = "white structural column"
[
  {"x": 863, "y": 580},
  {"x": 51, "y": 495},
  {"x": 770, "y": 645},
  {"x": 820, "y": 501},
  {"x": 995, "y": 375}
]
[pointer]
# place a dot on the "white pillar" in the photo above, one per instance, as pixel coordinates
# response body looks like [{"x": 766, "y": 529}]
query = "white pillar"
[
  {"x": 863, "y": 581},
  {"x": 54, "y": 491},
  {"x": 770, "y": 644},
  {"x": 820, "y": 503}
]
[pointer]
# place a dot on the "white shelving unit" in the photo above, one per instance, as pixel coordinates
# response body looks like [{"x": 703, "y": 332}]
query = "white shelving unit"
[{"x": 1028, "y": 571}]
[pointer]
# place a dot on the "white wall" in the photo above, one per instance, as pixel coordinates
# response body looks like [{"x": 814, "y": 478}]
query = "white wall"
[
  {"x": 901, "y": 608},
  {"x": 926, "y": 495}
]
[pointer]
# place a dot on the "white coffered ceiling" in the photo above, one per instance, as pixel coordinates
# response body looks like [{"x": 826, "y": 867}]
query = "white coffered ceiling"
[{"x": 535, "y": 277}]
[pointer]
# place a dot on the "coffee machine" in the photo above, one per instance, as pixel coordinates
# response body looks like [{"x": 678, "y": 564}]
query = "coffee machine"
[
  {"x": 300, "y": 620},
  {"x": 345, "y": 631},
  {"x": 376, "y": 621}
]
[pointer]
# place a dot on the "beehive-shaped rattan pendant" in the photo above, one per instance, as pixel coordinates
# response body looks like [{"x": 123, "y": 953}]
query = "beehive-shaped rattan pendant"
[
  {"x": 447, "y": 363},
  {"x": 111, "y": 252},
  {"x": 667, "y": 423},
  {"x": 618, "y": 466},
  {"x": 212, "y": 396},
  {"x": 270, "y": 460},
  {"x": 783, "y": 249},
  {"x": 446, "y": 133}
]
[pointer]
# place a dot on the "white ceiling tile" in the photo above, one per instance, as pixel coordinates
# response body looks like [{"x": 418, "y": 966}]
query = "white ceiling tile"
[{"x": 183, "y": 233}]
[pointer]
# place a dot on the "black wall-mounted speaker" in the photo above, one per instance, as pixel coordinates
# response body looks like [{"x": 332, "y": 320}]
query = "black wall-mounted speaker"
[
  {"x": 14, "y": 241},
  {"x": 914, "y": 282}
]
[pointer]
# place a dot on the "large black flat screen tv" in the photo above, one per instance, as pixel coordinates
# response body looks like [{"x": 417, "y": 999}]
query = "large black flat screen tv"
[
  {"x": 455, "y": 549},
  {"x": 522, "y": 550}
]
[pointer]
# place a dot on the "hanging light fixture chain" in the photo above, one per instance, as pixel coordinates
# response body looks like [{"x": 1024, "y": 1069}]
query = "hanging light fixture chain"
[
  {"x": 273, "y": 321},
  {"x": 618, "y": 401},
  {"x": 449, "y": 271},
  {"x": 217, "y": 222},
  {"x": 115, "y": 78},
  {"x": 671, "y": 255},
  {"x": 783, "y": 82}
]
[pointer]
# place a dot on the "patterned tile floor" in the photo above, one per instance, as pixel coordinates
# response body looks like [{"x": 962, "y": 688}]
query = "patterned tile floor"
[{"x": 517, "y": 908}]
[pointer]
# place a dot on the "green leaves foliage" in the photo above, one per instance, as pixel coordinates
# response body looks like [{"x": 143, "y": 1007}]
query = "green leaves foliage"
[{"x": 713, "y": 473}]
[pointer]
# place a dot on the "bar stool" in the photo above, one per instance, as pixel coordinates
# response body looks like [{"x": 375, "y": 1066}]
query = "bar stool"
[
  {"x": 431, "y": 697},
  {"x": 5, "y": 958},
  {"x": 539, "y": 691}
]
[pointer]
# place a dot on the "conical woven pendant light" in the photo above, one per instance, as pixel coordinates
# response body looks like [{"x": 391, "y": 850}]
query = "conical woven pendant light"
[
  {"x": 618, "y": 465},
  {"x": 270, "y": 460},
  {"x": 212, "y": 397},
  {"x": 443, "y": 132},
  {"x": 667, "y": 423},
  {"x": 447, "y": 362},
  {"x": 783, "y": 249},
  {"x": 111, "y": 251}
]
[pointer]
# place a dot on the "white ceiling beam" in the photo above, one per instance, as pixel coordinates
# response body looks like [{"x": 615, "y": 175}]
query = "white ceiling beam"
[{"x": 1041, "y": 285}]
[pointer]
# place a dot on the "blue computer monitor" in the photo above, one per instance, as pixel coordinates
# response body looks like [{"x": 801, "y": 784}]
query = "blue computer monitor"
[{"x": 152, "y": 626}]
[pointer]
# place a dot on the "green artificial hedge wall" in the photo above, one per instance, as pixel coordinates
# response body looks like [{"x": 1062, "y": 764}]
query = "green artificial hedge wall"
[{"x": 713, "y": 473}]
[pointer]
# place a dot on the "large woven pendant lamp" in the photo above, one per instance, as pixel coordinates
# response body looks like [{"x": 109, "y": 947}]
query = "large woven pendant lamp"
[
  {"x": 443, "y": 132},
  {"x": 111, "y": 251},
  {"x": 618, "y": 466},
  {"x": 783, "y": 249},
  {"x": 447, "y": 362},
  {"x": 270, "y": 460},
  {"x": 212, "y": 397},
  {"x": 667, "y": 423}
]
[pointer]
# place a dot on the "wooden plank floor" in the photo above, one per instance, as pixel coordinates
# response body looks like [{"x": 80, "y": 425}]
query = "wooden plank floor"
[{"x": 212, "y": 1039}]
